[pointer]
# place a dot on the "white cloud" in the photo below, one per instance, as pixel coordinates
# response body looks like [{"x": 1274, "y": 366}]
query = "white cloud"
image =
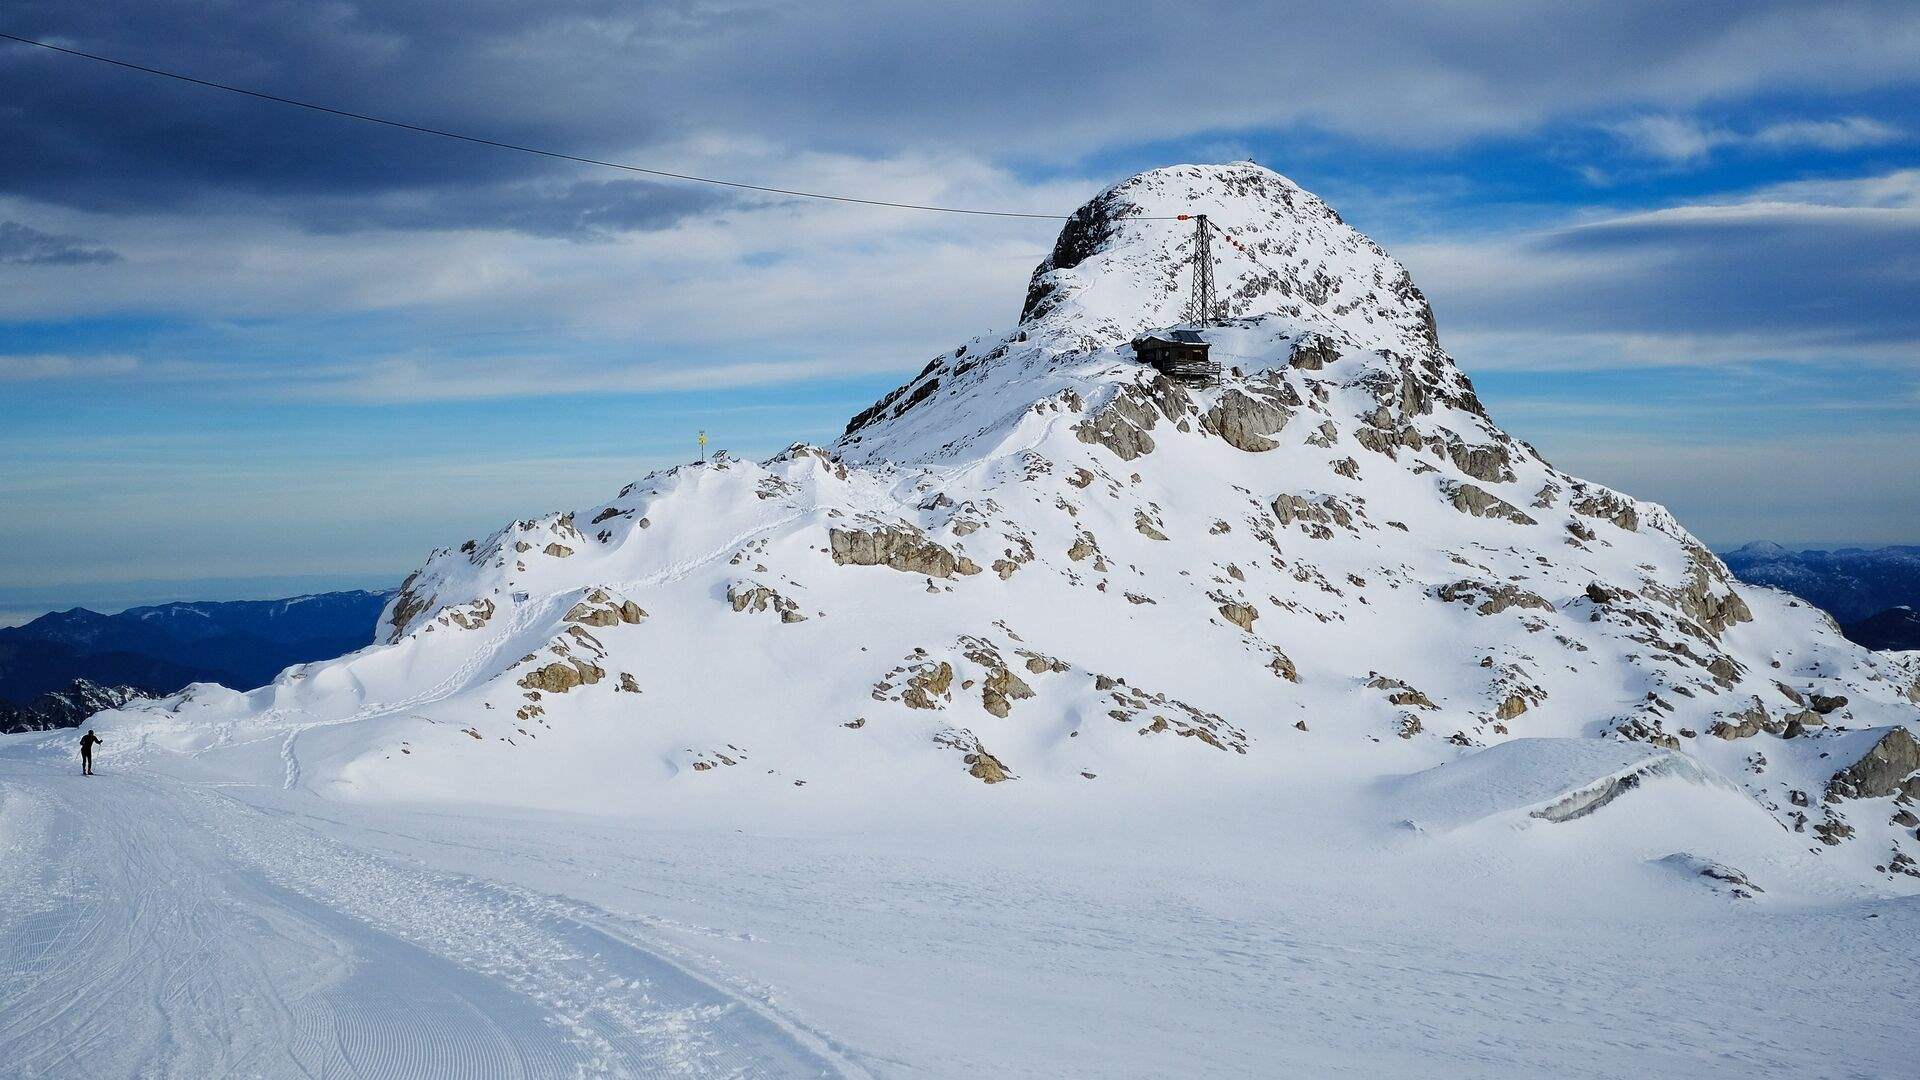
[
  {"x": 1769, "y": 275},
  {"x": 1055, "y": 83},
  {"x": 1669, "y": 138},
  {"x": 1897, "y": 190},
  {"x": 754, "y": 294},
  {"x": 1686, "y": 140},
  {"x": 24, "y": 367},
  {"x": 1847, "y": 133}
]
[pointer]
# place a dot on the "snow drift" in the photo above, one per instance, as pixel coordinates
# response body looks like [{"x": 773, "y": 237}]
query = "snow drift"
[{"x": 1551, "y": 780}]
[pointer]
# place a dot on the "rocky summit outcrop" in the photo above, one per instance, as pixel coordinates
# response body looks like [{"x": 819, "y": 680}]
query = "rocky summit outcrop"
[
  {"x": 1246, "y": 420},
  {"x": 1327, "y": 560},
  {"x": 901, "y": 549},
  {"x": 561, "y": 676},
  {"x": 1887, "y": 768},
  {"x": 1478, "y": 501},
  {"x": 600, "y": 608}
]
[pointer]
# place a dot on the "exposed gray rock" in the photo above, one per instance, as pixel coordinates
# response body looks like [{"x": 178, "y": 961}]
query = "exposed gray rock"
[
  {"x": 1469, "y": 499},
  {"x": 1881, "y": 771},
  {"x": 562, "y": 676},
  {"x": 1313, "y": 352},
  {"x": 1237, "y": 613},
  {"x": 1708, "y": 596},
  {"x": 1145, "y": 526},
  {"x": 1122, "y": 425},
  {"x": 1487, "y": 463},
  {"x": 469, "y": 616},
  {"x": 1000, "y": 689},
  {"x": 753, "y": 598},
  {"x": 1805, "y": 718},
  {"x": 1245, "y": 420},
  {"x": 929, "y": 686},
  {"x": 1747, "y": 723},
  {"x": 408, "y": 604},
  {"x": 1492, "y": 597},
  {"x": 1315, "y": 513},
  {"x": 1283, "y": 666},
  {"x": 1378, "y": 441},
  {"x": 984, "y": 767},
  {"x": 1607, "y": 506},
  {"x": 598, "y": 608},
  {"x": 1083, "y": 548},
  {"x": 898, "y": 548},
  {"x": 1832, "y": 831},
  {"x": 1402, "y": 694},
  {"x": 981, "y": 765}
]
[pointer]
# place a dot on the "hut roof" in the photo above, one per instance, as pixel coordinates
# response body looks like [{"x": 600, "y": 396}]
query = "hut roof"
[{"x": 1173, "y": 337}]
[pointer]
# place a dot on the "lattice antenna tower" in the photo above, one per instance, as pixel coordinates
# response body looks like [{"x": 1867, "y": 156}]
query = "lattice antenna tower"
[{"x": 1201, "y": 310}]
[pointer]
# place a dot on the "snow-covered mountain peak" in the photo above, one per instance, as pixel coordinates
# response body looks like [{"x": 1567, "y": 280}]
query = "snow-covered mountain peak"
[
  {"x": 1043, "y": 560},
  {"x": 1291, "y": 278},
  {"x": 1762, "y": 549},
  {"x": 1123, "y": 264}
]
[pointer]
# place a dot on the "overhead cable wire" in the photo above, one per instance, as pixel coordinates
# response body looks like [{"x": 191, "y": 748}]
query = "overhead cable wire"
[{"x": 498, "y": 144}]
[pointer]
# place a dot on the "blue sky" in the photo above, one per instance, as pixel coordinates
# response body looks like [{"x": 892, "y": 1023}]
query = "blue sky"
[{"x": 246, "y": 350}]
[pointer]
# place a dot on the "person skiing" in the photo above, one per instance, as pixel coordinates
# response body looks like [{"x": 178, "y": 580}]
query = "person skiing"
[{"x": 87, "y": 742}]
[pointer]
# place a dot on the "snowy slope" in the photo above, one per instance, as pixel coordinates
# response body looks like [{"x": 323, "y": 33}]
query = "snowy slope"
[
  {"x": 163, "y": 923},
  {"x": 1040, "y": 563},
  {"x": 1058, "y": 720}
]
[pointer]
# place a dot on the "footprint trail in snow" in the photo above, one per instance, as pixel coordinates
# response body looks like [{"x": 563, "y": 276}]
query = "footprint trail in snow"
[{"x": 170, "y": 929}]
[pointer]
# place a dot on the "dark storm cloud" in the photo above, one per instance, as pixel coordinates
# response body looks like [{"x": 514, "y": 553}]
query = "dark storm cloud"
[
  {"x": 582, "y": 210},
  {"x": 24, "y": 245},
  {"x": 1012, "y": 81},
  {"x": 577, "y": 78}
]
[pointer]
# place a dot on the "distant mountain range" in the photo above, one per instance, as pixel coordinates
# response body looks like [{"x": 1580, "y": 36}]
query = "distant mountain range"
[
  {"x": 65, "y": 708},
  {"x": 80, "y": 656},
  {"x": 1894, "y": 628},
  {"x": 1864, "y": 589}
]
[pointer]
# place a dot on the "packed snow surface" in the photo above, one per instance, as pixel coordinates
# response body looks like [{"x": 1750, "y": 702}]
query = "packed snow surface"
[
  {"x": 1059, "y": 719},
  {"x": 163, "y": 923}
]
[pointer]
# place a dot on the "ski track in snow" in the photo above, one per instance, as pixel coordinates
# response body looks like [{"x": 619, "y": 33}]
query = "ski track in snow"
[{"x": 156, "y": 927}]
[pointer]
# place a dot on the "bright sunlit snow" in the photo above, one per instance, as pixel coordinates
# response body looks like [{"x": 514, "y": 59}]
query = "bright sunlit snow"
[{"x": 1061, "y": 719}]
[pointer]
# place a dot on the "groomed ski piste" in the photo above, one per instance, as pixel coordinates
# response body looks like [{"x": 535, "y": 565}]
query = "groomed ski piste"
[{"x": 1060, "y": 720}]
